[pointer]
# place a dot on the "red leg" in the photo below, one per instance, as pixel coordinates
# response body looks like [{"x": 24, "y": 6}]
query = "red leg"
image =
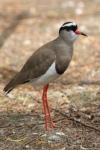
[
  {"x": 44, "y": 110},
  {"x": 52, "y": 125},
  {"x": 48, "y": 119}
]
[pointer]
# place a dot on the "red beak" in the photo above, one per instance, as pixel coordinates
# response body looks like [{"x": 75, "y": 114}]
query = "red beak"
[{"x": 81, "y": 33}]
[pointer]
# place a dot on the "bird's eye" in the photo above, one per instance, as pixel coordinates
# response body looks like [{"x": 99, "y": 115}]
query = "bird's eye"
[
  {"x": 68, "y": 28},
  {"x": 74, "y": 28},
  {"x": 71, "y": 28}
]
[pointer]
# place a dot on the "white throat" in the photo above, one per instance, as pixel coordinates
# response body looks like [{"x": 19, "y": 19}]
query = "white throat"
[
  {"x": 68, "y": 36},
  {"x": 71, "y": 36}
]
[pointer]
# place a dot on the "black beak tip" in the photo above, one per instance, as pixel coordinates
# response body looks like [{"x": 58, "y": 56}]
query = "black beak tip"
[{"x": 83, "y": 34}]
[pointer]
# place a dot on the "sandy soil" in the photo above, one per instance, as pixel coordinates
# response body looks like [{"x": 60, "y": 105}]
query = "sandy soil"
[{"x": 25, "y": 25}]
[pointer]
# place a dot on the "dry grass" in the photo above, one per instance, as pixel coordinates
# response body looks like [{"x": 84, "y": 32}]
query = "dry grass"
[{"x": 76, "y": 94}]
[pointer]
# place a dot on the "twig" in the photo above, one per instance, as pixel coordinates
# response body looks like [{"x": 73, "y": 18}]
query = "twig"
[
  {"x": 89, "y": 82},
  {"x": 77, "y": 121}
]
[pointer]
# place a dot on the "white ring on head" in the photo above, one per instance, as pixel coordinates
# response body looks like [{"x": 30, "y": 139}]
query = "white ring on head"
[{"x": 69, "y": 24}]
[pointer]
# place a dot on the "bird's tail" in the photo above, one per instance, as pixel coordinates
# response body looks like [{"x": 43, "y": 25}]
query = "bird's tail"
[{"x": 11, "y": 85}]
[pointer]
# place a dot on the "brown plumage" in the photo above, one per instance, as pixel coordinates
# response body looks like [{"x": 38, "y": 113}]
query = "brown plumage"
[{"x": 41, "y": 60}]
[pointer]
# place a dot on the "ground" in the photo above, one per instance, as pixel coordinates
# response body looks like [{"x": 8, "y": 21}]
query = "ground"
[{"x": 74, "y": 99}]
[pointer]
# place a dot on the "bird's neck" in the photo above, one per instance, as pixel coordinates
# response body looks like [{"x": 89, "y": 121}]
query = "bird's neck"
[{"x": 63, "y": 47}]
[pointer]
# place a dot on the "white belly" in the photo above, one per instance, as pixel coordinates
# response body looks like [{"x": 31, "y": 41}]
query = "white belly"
[{"x": 46, "y": 78}]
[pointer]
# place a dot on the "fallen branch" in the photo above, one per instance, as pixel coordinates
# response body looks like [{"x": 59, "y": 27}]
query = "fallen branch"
[{"x": 77, "y": 121}]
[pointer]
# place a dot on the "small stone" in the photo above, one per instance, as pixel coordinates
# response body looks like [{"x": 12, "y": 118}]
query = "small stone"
[
  {"x": 54, "y": 138},
  {"x": 27, "y": 146},
  {"x": 60, "y": 133}
]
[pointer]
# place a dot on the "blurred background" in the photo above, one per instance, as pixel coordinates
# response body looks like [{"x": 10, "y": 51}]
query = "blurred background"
[{"x": 25, "y": 25}]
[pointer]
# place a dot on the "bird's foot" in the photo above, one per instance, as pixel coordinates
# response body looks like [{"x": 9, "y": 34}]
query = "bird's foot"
[
  {"x": 49, "y": 124},
  {"x": 52, "y": 124}
]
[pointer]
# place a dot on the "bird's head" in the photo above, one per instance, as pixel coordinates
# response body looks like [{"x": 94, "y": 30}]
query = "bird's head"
[{"x": 69, "y": 31}]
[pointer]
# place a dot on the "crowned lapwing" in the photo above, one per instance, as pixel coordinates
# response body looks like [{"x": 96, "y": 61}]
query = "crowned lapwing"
[{"x": 47, "y": 64}]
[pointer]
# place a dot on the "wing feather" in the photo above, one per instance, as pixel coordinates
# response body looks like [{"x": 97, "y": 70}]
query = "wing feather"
[{"x": 36, "y": 66}]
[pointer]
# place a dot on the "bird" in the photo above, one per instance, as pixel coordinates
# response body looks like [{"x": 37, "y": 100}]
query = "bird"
[{"x": 47, "y": 64}]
